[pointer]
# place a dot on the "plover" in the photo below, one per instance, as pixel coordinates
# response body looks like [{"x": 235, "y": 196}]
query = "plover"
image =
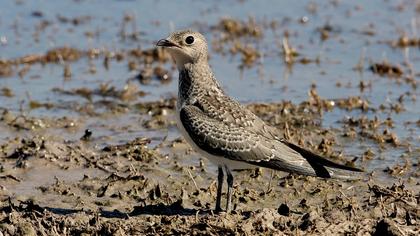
[{"x": 223, "y": 130}]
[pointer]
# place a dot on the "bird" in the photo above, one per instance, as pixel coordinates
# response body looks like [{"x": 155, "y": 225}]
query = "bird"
[{"x": 226, "y": 132}]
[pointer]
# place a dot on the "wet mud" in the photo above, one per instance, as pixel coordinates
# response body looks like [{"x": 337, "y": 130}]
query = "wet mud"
[{"x": 52, "y": 185}]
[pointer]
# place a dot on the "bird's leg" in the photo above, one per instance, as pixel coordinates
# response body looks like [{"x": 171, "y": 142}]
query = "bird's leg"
[
  {"x": 229, "y": 190},
  {"x": 219, "y": 189}
]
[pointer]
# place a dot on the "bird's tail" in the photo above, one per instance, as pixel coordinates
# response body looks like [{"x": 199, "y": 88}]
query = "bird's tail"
[{"x": 325, "y": 168}]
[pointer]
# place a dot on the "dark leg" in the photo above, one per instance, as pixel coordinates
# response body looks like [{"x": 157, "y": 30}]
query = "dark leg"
[
  {"x": 229, "y": 190},
  {"x": 219, "y": 189}
]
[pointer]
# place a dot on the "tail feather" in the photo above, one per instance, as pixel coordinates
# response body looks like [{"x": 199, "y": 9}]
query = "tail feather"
[
  {"x": 324, "y": 168},
  {"x": 348, "y": 175},
  {"x": 315, "y": 166}
]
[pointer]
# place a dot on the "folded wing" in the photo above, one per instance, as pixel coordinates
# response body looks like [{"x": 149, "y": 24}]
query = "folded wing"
[{"x": 245, "y": 144}]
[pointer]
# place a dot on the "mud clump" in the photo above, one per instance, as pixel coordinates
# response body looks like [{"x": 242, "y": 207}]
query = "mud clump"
[
  {"x": 148, "y": 74},
  {"x": 128, "y": 93},
  {"x": 328, "y": 30},
  {"x": 135, "y": 149},
  {"x": 5, "y": 69},
  {"x": 386, "y": 69},
  {"x": 238, "y": 37},
  {"x": 65, "y": 54},
  {"x": 249, "y": 54},
  {"x": 235, "y": 28},
  {"x": 8, "y": 67},
  {"x": 405, "y": 41}
]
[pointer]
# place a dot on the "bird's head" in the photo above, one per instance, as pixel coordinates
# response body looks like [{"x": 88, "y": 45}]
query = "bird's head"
[{"x": 185, "y": 46}]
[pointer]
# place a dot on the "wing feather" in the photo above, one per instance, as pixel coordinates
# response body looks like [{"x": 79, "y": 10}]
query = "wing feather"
[
  {"x": 244, "y": 144},
  {"x": 239, "y": 143}
]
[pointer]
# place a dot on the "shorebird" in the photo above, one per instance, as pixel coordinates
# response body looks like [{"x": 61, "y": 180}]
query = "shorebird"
[{"x": 224, "y": 131}]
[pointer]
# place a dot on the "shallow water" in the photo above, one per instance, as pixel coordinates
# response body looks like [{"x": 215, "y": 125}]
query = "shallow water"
[{"x": 358, "y": 28}]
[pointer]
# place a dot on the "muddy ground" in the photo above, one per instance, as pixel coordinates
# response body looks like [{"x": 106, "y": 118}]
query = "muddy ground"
[{"x": 56, "y": 186}]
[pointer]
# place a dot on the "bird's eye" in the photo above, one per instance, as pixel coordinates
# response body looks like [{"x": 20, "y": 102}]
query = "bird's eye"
[{"x": 189, "y": 40}]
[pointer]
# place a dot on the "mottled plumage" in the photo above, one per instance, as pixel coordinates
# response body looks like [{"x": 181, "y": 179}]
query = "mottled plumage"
[{"x": 223, "y": 130}]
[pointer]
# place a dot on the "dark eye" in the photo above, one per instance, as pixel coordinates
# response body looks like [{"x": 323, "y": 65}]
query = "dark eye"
[{"x": 189, "y": 40}]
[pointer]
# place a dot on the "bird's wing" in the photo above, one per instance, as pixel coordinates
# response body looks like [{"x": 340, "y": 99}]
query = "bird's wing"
[
  {"x": 226, "y": 110},
  {"x": 239, "y": 144},
  {"x": 243, "y": 144}
]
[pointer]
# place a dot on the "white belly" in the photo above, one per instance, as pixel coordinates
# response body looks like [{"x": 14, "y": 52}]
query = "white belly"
[{"x": 220, "y": 161}]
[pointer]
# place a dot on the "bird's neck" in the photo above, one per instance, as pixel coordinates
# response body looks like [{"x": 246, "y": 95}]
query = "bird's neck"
[
  {"x": 196, "y": 78},
  {"x": 198, "y": 74}
]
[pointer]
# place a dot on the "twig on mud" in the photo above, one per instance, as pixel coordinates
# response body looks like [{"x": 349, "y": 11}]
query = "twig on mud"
[
  {"x": 352, "y": 210},
  {"x": 269, "y": 189},
  {"x": 286, "y": 134},
  {"x": 350, "y": 187},
  {"x": 212, "y": 212},
  {"x": 133, "y": 169},
  {"x": 359, "y": 67},
  {"x": 162, "y": 143},
  {"x": 9, "y": 199},
  {"x": 97, "y": 165},
  {"x": 344, "y": 195},
  {"x": 10, "y": 177},
  {"x": 196, "y": 216},
  {"x": 289, "y": 53},
  {"x": 192, "y": 178}
]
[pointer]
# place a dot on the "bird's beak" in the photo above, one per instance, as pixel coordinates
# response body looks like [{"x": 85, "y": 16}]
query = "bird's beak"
[{"x": 166, "y": 43}]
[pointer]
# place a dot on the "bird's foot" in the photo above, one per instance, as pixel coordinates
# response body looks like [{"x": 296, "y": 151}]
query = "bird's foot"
[{"x": 219, "y": 210}]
